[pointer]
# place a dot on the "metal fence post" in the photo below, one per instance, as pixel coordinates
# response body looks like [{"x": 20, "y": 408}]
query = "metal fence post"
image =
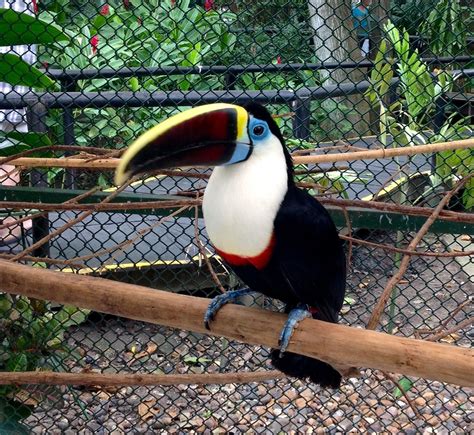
[
  {"x": 302, "y": 118},
  {"x": 36, "y": 113},
  {"x": 231, "y": 78}
]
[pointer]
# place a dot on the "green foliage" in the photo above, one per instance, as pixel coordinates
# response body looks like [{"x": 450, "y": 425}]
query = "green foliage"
[
  {"x": 381, "y": 75},
  {"x": 406, "y": 119},
  {"x": 410, "y": 14},
  {"x": 22, "y": 141},
  {"x": 459, "y": 163},
  {"x": 261, "y": 41},
  {"x": 16, "y": 71},
  {"x": 20, "y": 28},
  {"x": 445, "y": 28},
  {"x": 406, "y": 384},
  {"x": 417, "y": 85},
  {"x": 152, "y": 34},
  {"x": 31, "y": 338}
]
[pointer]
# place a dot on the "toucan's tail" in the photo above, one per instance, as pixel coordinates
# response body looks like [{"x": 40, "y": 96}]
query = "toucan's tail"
[{"x": 300, "y": 366}]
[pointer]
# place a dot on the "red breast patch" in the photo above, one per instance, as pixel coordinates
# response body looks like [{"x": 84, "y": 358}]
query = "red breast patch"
[{"x": 259, "y": 261}]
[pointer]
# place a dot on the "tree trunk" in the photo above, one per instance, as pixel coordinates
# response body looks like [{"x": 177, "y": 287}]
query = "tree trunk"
[
  {"x": 335, "y": 40},
  {"x": 379, "y": 14}
]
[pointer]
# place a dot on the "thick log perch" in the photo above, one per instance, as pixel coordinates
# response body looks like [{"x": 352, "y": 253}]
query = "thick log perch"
[
  {"x": 384, "y": 153},
  {"x": 337, "y": 344}
]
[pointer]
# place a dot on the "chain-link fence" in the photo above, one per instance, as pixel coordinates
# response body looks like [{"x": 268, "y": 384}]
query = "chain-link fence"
[{"x": 337, "y": 76}]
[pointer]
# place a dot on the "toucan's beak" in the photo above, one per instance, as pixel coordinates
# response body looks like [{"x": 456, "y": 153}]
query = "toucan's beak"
[{"x": 210, "y": 135}]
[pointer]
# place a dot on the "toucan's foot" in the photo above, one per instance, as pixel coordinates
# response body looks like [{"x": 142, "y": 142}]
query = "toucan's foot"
[
  {"x": 219, "y": 301},
  {"x": 295, "y": 316}
]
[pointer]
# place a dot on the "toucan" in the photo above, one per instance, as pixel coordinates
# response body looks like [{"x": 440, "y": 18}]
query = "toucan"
[{"x": 277, "y": 238}]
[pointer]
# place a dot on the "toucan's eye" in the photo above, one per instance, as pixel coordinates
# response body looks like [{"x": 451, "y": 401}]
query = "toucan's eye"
[{"x": 258, "y": 130}]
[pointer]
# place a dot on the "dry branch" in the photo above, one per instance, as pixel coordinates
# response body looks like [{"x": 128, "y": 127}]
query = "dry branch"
[
  {"x": 74, "y": 200},
  {"x": 380, "y": 306},
  {"x": 47, "y": 260},
  {"x": 63, "y": 148},
  {"x": 111, "y": 163},
  {"x": 68, "y": 225},
  {"x": 446, "y": 215},
  {"x": 406, "y": 251},
  {"x": 464, "y": 324},
  {"x": 133, "y": 379},
  {"x": 336, "y": 344},
  {"x": 100, "y": 207}
]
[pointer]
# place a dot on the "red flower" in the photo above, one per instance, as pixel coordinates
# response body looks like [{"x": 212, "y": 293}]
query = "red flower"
[
  {"x": 208, "y": 5},
  {"x": 94, "y": 43},
  {"x": 126, "y": 4},
  {"x": 105, "y": 10},
  {"x": 173, "y": 3},
  {"x": 35, "y": 7},
  {"x": 278, "y": 60},
  {"x": 45, "y": 65}
]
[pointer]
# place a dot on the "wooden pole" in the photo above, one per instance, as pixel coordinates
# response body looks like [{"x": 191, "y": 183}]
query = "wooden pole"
[
  {"x": 133, "y": 379},
  {"x": 111, "y": 163},
  {"x": 336, "y": 344}
]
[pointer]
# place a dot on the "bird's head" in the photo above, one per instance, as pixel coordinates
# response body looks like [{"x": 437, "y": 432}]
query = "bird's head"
[{"x": 210, "y": 135}]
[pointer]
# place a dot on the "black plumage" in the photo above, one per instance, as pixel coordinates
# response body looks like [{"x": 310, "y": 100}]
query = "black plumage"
[{"x": 307, "y": 266}]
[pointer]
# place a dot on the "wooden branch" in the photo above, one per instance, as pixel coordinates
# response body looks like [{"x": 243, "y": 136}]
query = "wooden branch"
[
  {"x": 100, "y": 207},
  {"x": 72, "y": 204},
  {"x": 132, "y": 379},
  {"x": 449, "y": 215},
  {"x": 464, "y": 324},
  {"x": 406, "y": 251},
  {"x": 111, "y": 163},
  {"x": 385, "y": 153},
  {"x": 336, "y": 344},
  {"x": 404, "y": 263},
  {"x": 69, "y": 224}
]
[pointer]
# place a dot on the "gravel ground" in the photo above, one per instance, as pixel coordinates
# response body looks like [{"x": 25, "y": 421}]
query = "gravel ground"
[{"x": 432, "y": 288}]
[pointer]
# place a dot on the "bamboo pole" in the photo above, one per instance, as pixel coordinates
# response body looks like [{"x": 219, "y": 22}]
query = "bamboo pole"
[
  {"x": 336, "y": 344},
  {"x": 111, "y": 163}
]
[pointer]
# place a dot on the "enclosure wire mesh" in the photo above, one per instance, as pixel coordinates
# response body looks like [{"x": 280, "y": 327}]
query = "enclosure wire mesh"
[{"x": 123, "y": 67}]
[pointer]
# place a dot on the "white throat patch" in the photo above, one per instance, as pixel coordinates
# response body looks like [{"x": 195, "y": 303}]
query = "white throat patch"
[{"x": 241, "y": 200}]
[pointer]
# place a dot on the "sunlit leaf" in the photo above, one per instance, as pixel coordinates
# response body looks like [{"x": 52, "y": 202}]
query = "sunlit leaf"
[
  {"x": 20, "y": 28},
  {"x": 16, "y": 71},
  {"x": 406, "y": 384}
]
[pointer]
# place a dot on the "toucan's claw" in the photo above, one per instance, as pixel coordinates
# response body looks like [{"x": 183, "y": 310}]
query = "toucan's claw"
[
  {"x": 295, "y": 316},
  {"x": 219, "y": 301}
]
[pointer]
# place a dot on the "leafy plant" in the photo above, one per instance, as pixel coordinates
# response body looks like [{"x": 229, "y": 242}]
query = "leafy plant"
[
  {"x": 445, "y": 28},
  {"x": 21, "y": 28},
  {"x": 406, "y": 384},
  {"x": 18, "y": 28},
  {"x": 407, "y": 122},
  {"x": 151, "y": 34},
  {"x": 15, "y": 142},
  {"x": 410, "y": 14},
  {"x": 31, "y": 338}
]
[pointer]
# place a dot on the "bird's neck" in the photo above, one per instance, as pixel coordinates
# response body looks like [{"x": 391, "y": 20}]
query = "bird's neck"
[{"x": 241, "y": 202}]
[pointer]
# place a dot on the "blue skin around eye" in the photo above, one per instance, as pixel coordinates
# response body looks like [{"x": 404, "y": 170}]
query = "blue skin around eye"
[
  {"x": 255, "y": 122},
  {"x": 242, "y": 151}
]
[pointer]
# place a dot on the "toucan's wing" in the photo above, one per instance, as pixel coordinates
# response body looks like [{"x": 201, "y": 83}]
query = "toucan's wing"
[{"x": 309, "y": 253}]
